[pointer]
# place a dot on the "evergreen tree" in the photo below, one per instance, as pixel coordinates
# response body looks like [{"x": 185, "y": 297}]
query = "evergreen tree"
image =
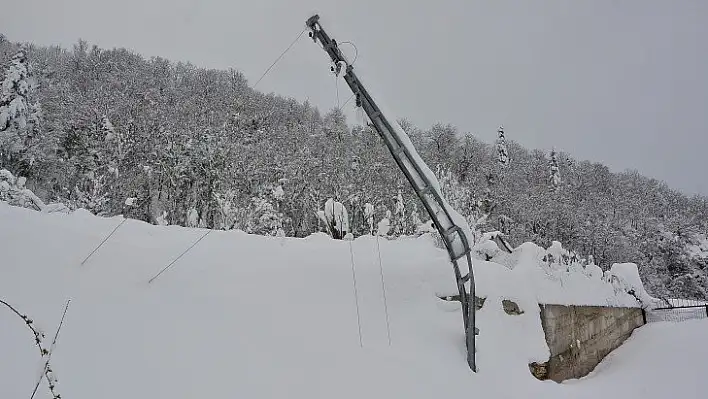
[
  {"x": 19, "y": 118},
  {"x": 399, "y": 215},
  {"x": 554, "y": 177},
  {"x": 14, "y": 108},
  {"x": 415, "y": 221},
  {"x": 369, "y": 217},
  {"x": 502, "y": 151},
  {"x": 265, "y": 219},
  {"x": 383, "y": 228}
]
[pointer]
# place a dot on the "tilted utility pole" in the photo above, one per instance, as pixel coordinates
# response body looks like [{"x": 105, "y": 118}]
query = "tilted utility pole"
[{"x": 446, "y": 220}]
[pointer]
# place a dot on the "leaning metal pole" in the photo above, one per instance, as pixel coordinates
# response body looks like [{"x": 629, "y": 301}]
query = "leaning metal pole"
[{"x": 413, "y": 167}]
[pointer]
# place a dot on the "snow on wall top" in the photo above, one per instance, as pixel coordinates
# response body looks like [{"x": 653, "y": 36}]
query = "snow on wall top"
[{"x": 555, "y": 276}]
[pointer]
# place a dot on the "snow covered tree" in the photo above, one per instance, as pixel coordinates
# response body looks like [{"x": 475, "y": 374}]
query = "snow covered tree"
[
  {"x": 555, "y": 177},
  {"x": 369, "y": 217},
  {"x": 502, "y": 151},
  {"x": 415, "y": 221},
  {"x": 163, "y": 219},
  {"x": 443, "y": 144},
  {"x": 192, "y": 219},
  {"x": 228, "y": 216},
  {"x": 399, "y": 215},
  {"x": 14, "y": 192},
  {"x": 265, "y": 218},
  {"x": 14, "y": 109},
  {"x": 18, "y": 117},
  {"x": 457, "y": 194},
  {"x": 335, "y": 219},
  {"x": 114, "y": 142},
  {"x": 384, "y": 226},
  {"x": 92, "y": 194}
]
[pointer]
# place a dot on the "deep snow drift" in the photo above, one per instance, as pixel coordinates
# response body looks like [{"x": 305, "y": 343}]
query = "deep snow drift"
[{"x": 256, "y": 317}]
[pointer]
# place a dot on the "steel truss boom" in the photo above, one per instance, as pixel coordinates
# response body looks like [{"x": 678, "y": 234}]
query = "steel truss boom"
[{"x": 413, "y": 167}]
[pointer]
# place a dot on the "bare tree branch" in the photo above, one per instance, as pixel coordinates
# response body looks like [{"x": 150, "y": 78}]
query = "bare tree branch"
[
  {"x": 45, "y": 353},
  {"x": 47, "y": 370}
]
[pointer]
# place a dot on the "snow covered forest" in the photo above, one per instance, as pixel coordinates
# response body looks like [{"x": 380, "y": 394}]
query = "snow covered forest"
[{"x": 170, "y": 143}]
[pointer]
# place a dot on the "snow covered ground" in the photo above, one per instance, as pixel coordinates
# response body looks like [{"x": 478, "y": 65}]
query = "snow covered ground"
[{"x": 254, "y": 317}]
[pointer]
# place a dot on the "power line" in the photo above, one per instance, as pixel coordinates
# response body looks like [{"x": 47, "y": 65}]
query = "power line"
[
  {"x": 348, "y": 99},
  {"x": 104, "y": 241},
  {"x": 383, "y": 290},
  {"x": 279, "y": 57},
  {"x": 356, "y": 294},
  {"x": 336, "y": 85},
  {"x": 180, "y": 256}
]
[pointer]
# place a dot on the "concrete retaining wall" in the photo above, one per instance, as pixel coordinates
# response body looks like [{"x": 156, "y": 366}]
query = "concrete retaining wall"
[{"x": 579, "y": 337}]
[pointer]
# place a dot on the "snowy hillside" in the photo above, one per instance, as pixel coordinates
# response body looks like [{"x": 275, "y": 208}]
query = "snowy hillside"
[
  {"x": 117, "y": 132},
  {"x": 262, "y": 317}
]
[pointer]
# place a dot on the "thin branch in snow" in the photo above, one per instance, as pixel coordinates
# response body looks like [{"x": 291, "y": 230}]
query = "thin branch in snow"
[
  {"x": 44, "y": 352},
  {"x": 38, "y": 335},
  {"x": 47, "y": 369}
]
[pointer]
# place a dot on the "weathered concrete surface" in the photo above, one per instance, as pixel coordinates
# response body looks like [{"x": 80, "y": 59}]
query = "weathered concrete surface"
[{"x": 579, "y": 337}]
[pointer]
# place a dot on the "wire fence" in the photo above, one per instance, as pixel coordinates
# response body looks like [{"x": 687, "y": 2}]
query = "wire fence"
[{"x": 676, "y": 310}]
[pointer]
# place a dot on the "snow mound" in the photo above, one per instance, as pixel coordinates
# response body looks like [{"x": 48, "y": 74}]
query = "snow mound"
[
  {"x": 624, "y": 277},
  {"x": 486, "y": 249},
  {"x": 14, "y": 192},
  {"x": 491, "y": 245}
]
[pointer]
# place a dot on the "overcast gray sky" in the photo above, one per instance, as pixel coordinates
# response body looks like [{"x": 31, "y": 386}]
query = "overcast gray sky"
[{"x": 624, "y": 82}]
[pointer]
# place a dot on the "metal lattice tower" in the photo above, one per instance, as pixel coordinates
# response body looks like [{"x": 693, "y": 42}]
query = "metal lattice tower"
[{"x": 413, "y": 167}]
